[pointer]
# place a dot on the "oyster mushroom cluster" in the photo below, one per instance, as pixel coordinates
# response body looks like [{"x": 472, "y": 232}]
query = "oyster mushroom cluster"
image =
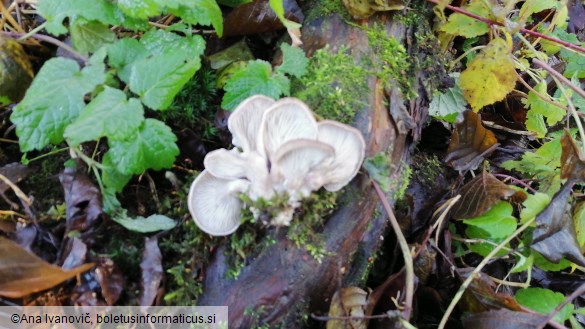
[{"x": 280, "y": 149}]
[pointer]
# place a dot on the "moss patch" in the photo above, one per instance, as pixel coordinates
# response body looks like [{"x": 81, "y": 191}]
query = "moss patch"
[
  {"x": 334, "y": 85},
  {"x": 325, "y": 8}
]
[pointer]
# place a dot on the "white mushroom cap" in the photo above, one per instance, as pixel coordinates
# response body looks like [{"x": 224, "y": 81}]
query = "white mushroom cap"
[
  {"x": 286, "y": 120},
  {"x": 244, "y": 122},
  {"x": 350, "y": 149},
  {"x": 294, "y": 160},
  {"x": 225, "y": 164},
  {"x": 213, "y": 206}
]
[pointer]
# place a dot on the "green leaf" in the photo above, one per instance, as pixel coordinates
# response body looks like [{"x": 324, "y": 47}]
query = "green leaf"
[
  {"x": 150, "y": 224},
  {"x": 552, "y": 48},
  {"x": 123, "y": 52},
  {"x": 524, "y": 263},
  {"x": 55, "y": 12},
  {"x": 498, "y": 222},
  {"x": 533, "y": 205},
  {"x": 579, "y": 222},
  {"x": 459, "y": 24},
  {"x": 447, "y": 106},
  {"x": 202, "y": 12},
  {"x": 294, "y": 61},
  {"x": 111, "y": 177},
  {"x": 159, "y": 78},
  {"x": 109, "y": 115},
  {"x": 278, "y": 8},
  {"x": 53, "y": 100},
  {"x": 494, "y": 225},
  {"x": 575, "y": 66},
  {"x": 535, "y": 123},
  {"x": 535, "y": 6},
  {"x": 87, "y": 37},
  {"x": 256, "y": 78},
  {"x": 233, "y": 3},
  {"x": 542, "y": 162},
  {"x": 544, "y": 264},
  {"x": 378, "y": 168},
  {"x": 544, "y": 301},
  {"x": 141, "y": 9},
  {"x": 552, "y": 113},
  {"x": 152, "y": 147}
]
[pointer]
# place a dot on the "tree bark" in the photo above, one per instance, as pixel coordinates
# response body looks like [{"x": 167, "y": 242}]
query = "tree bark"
[{"x": 284, "y": 281}]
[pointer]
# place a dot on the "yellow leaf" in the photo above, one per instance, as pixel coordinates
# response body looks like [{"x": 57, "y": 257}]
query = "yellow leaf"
[{"x": 490, "y": 76}]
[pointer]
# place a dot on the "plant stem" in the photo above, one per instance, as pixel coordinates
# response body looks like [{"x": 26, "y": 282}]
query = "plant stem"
[
  {"x": 522, "y": 30},
  {"x": 408, "y": 264},
  {"x": 478, "y": 269},
  {"x": 50, "y": 40}
]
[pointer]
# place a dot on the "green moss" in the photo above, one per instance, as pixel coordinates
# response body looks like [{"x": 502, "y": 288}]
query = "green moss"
[
  {"x": 390, "y": 61},
  {"x": 326, "y": 8},
  {"x": 334, "y": 86},
  {"x": 404, "y": 180},
  {"x": 309, "y": 220},
  {"x": 194, "y": 105}
]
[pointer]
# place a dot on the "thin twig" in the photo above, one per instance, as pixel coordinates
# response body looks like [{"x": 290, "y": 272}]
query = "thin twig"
[
  {"x": 559, "y": 76},
  {"x": 408, "y": 264},
  {"x": 478, "y": 269},
  {"x": 580, "y": 291},
  {"x": 522, "y": 30}
]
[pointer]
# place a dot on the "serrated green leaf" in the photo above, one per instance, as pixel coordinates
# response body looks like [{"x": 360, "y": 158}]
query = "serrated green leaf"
[
  {"x": 149, "y": 224},
  {"x": 530, "y": 7},
  {"x": 123, "y": 52},
  {"x": 552, "y": 113},
  {"x": 535, "y": 123},
  {"x": 141, "y": 9},
  {"x": 294, "y": 61},
  {"x": 157, "y": 80},
  {"x": 111, "y": 177},
  {"x": 552, "y": 48},
  {"x": 575, "y": 66},
  {"x": 447, "y": 106},
  {"x": 40, "y": 122},
  {"x": 159, "y": 42},
  {"x": 152, "y": 147},
  {"x": 109, "y": 115},
  {"x": 256, "y": 78},
  {"x": 533, "y": 205},
  {"x": 459, "y": 24},
  {"x": 87, "y": 37},
  {"x": 172, "y": 62},
  {"x": 490, "y": 76},
  {"x": 544, "y": 301},
  {"x": 56, "y": 11},
  {"x": 542, "y": 162},
  {"x": 202, "y": 12}
]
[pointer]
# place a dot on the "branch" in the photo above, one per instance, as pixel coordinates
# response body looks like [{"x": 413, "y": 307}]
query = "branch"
[
  {"x": 522, "y": 30},
  {"x": 51, "y": 40}
]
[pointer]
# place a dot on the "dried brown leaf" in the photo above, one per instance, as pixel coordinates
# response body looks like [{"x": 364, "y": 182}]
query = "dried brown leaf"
[
  {"x": 83, "y": 200},
  {"x": 470, "y": 143},
  {"x": 503, "y": 319},
  {"x": 572, "y": 159},
  {"x": 110, "y": 279},
  {"x": 22, "y": 273},
  {"x": 351, "y": 301},
  {"x": 152, "y": 271},
  {"x": 554, "y": 236},
  {"x": 479, "y": 195},
  {"x": 257, "y": 17}
]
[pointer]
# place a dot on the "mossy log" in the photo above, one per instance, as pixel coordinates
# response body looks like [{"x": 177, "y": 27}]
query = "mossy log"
[{"x": 285, "y": 282}]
